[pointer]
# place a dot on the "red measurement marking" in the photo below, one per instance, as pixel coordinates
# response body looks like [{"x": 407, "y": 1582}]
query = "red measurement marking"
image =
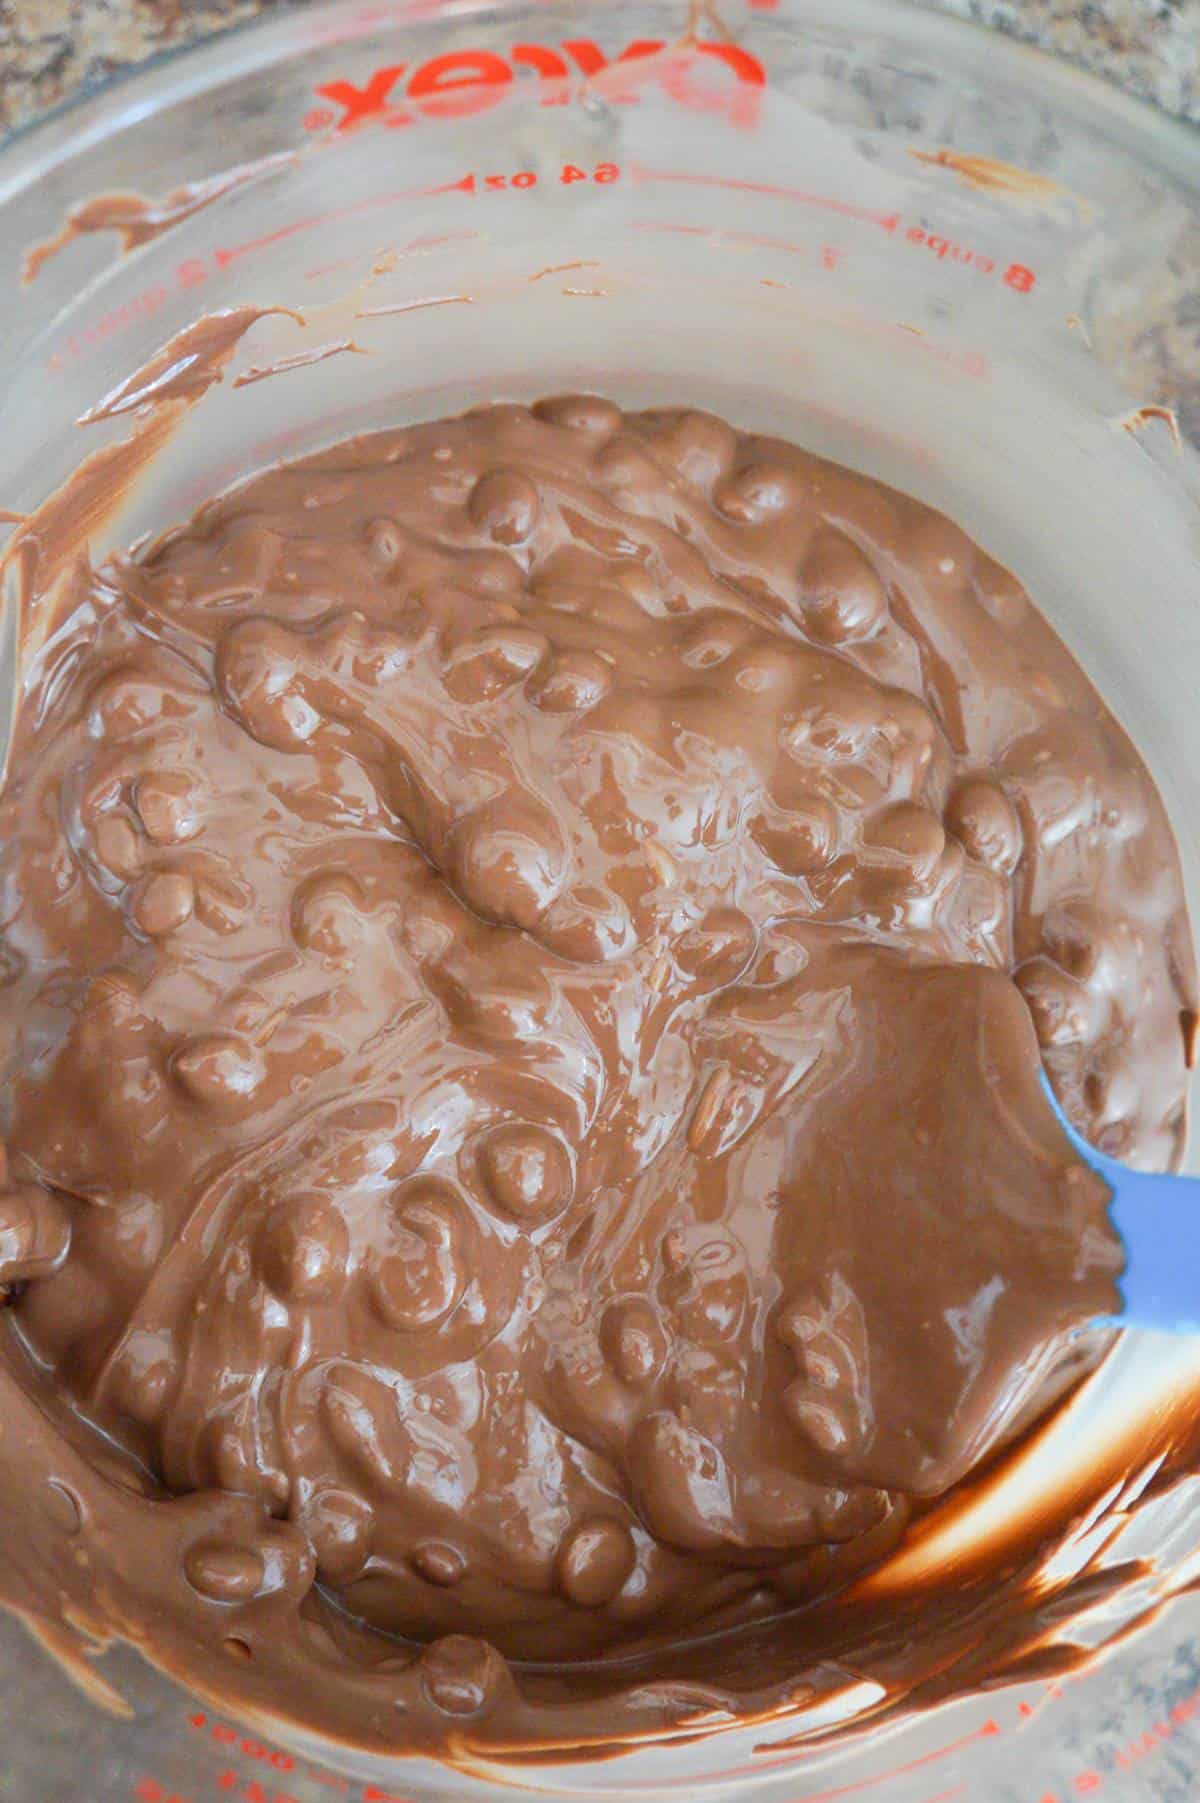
[
  {"x": 798, "y": 1754},
  {"x": 138, "y": 307},
  {"x": 831, "y": 255},
  {"x": 603, "y": 172},
  {"x": 1148, "y": 1742},
  {"x": 1088, "y": 1782},
  {"x": 252, "y": 1792},
  {"x": 427, "y": 241},
  {"x": 228, "y": 254},
  {"x": 1184, "y": 1711},
  {"x": 149, "y": 1790},
  {"x": 946, "y": 249},
  {"x": 914, "y": 1765},
  {"x": 827, "y": 202},
  {"x": 227, "y": 1736}
]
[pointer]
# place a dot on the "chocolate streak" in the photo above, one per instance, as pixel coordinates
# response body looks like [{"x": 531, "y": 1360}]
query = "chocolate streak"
[
  {"x": 527, "y": 942},
  {"x": 138, "y": 221}
]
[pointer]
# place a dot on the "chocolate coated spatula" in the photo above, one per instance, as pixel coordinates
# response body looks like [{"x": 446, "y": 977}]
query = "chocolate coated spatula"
[{"x": 1158, "y": 1220}]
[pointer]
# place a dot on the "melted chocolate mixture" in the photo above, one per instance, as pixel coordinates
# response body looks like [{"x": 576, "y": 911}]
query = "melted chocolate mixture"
[{"x": 527, "y": 942}]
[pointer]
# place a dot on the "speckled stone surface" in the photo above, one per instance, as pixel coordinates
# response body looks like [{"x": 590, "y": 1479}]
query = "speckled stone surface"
[
  {"x": 1151, "y": 47},
  {"x": 50, "y": 49}
]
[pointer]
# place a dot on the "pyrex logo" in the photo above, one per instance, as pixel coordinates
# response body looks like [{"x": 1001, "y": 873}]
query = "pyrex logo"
[{"x": 720, "y": 78}]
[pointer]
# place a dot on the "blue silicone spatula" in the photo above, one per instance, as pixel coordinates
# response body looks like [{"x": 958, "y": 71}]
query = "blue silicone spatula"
[{"x": 1158, "y": 1220}]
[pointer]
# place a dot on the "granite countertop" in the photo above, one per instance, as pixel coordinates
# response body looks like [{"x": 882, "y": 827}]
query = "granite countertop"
[{"x": 51, "y": 48}]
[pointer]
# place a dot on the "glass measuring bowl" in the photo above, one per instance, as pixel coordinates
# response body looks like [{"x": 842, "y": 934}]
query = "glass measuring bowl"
[{"x": 918, "y": 249}]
